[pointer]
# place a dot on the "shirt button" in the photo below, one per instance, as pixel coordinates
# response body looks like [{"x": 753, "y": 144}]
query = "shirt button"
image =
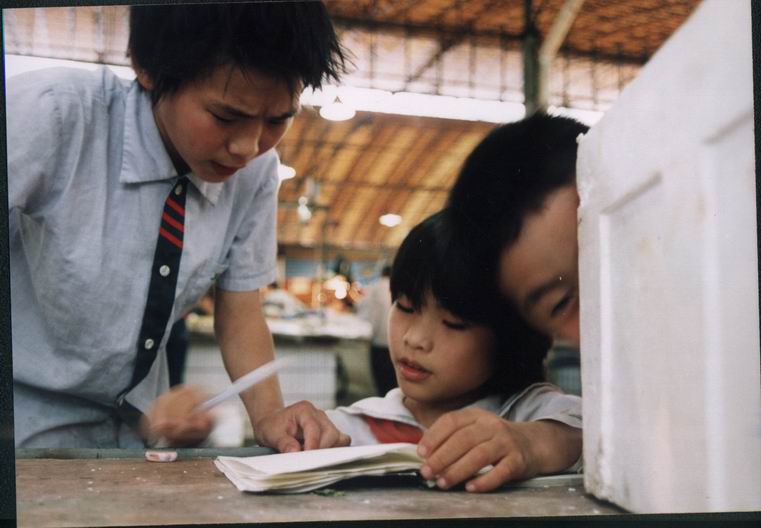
[
  {"x": 164, "y": 270},
  {"x": 178, "y": 189},
  {"x": 149, "y": 344}
]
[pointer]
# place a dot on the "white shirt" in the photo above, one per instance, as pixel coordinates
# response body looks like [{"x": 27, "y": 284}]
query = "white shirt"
[{"x": 539, "y": 401}]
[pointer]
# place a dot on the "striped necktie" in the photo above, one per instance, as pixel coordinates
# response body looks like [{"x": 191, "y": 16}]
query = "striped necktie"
[
  {"x": 161, "y": 291},
  {"x": 166, "y": 265}
]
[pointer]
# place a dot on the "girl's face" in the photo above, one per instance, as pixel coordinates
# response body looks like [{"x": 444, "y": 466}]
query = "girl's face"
[{"x": 440, "y": 361}]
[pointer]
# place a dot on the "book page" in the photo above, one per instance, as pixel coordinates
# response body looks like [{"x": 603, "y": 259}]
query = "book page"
[{"x": 300, "y": 461}]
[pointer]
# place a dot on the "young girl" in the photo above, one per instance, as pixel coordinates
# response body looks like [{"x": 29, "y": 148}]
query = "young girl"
[{"x": 465, "y": 365}]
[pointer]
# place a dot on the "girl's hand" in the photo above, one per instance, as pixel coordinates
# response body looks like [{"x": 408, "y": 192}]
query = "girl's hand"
[
  {"x": 171, "y": 417},
  {"x": 460, "y": 443}
]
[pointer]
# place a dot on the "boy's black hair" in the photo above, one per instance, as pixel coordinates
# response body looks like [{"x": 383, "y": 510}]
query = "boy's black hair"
[
  {"x": 177, "y": 44},
  {"x": 431, "y": 260},
  {"x": 508, "y": 176},
  {"x": 511, "y": 172}
]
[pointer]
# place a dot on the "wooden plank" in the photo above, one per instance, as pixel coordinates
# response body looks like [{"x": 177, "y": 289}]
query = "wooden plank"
[
  {"x": 128, "y": 492},
  {"x": 404, "y": 169}
]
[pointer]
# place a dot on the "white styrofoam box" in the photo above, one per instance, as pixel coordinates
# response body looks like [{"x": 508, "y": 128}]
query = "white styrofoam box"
[{"x": 668, "y": 278}]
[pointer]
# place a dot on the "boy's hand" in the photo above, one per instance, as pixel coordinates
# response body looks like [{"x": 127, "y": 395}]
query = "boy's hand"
[
  {"x": 171, "y": 417},
  {"x": 286, "y": 429},
  {"x": 460, "y": 443}
]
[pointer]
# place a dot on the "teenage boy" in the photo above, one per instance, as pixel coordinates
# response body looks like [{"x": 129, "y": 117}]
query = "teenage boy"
[
  {"x": 514, "y": 203},
  {"x": 100, "y": 169}
]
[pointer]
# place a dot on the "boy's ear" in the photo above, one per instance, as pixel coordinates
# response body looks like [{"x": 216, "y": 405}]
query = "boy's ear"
[
  {"x": 142, "y": 76},
  {"x": 144, "y": 79}
]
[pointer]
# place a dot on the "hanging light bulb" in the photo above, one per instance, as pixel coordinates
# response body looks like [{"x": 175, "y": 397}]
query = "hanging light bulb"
[
  {"x": 390, "y": 220},
  {"x": 337, "y": 111}
]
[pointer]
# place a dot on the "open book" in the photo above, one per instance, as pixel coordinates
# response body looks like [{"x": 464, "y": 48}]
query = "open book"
[{"x": 309, "y": 470}]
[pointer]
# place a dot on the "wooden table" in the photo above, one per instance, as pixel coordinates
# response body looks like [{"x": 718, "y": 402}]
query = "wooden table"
[{"x": 131, "y": 491}]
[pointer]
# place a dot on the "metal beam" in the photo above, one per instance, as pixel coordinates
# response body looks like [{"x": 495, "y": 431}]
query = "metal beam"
[
  {"x": 530, "y": 60},
  {"x": 401, "y": 11},
  {"x": 445, "y": 44},
  {"x": 550, "y": 46},
  {"x": 429, "y": 30},
  {"x": 422, "y": 29},
  {"x": 451, "y": 39}
]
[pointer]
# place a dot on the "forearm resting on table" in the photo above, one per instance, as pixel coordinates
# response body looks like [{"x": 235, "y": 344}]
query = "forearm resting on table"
[
  {"x": 246, "y": 343},
  {"x": 556, "y": 446}
]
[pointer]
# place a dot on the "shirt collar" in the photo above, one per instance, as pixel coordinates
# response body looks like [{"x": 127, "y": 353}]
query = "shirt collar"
[
  {"x": 144, "y": 157},
  {"x": 210, "y": 190},
  {"x": 391, "y": 407}
]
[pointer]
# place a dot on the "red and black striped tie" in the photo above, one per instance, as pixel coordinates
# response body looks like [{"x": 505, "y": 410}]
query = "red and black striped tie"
[{"x": 161, "y": 291}]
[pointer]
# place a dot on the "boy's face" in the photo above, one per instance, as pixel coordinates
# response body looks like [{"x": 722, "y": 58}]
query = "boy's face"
[
  {"x": 439, "y": 360},
  {"x": 216, "y": 125},
  {"x": 539, "y": 271}
]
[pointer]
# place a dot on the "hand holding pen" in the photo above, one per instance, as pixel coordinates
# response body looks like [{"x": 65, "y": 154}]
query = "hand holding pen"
[{"x": 181, "y": 417}]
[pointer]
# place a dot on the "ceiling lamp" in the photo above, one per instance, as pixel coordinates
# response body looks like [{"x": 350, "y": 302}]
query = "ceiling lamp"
[
  {"x": 337, "y": 111},
  {"x": 285, "y": 172},
  {"x": 390, "y": 220}
]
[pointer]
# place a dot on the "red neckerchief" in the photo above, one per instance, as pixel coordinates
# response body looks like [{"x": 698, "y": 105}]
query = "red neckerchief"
[{"x": 390, "y": 432}]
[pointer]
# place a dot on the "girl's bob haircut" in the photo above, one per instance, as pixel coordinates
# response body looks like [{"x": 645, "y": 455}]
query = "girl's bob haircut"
[{"x": 431, "y": 259}]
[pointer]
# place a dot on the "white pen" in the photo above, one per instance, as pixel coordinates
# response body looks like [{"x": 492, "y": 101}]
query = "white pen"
[{"x": 244, "y": 382}]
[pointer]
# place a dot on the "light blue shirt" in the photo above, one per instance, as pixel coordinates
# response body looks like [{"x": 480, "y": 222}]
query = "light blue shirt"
[{"x": 87, "y": 178}]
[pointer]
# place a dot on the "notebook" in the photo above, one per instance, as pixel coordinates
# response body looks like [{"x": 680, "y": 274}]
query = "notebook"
[{"x": 306, "y": 471}]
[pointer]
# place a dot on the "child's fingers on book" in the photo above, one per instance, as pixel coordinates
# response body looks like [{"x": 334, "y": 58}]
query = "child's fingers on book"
[
  {"x": 278, "y": 430},
  {"x": 487, "y": 482},
  {"x": 478, "y": 457},
  {"x": 513, "y": 466},
  {"x": 329, "y": 436},
  {"x": 437, "y": 434},
  {"x": 467, "y": 442},
  {"x": 507, "y": 469},
  {"x": 287, "y": 444},
  {"x": 454, "y": 420},
  {"x": 311, "y": 431},
  {"x": 448, "y": 425}
]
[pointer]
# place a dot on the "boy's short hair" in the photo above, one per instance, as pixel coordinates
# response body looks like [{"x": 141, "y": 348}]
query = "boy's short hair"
[
  {"x": 511, "y": 172},
  {"x": 177, "y": 44},
  {"x": 508, "y": 176},
  {"x": 431, "y": 260}
]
